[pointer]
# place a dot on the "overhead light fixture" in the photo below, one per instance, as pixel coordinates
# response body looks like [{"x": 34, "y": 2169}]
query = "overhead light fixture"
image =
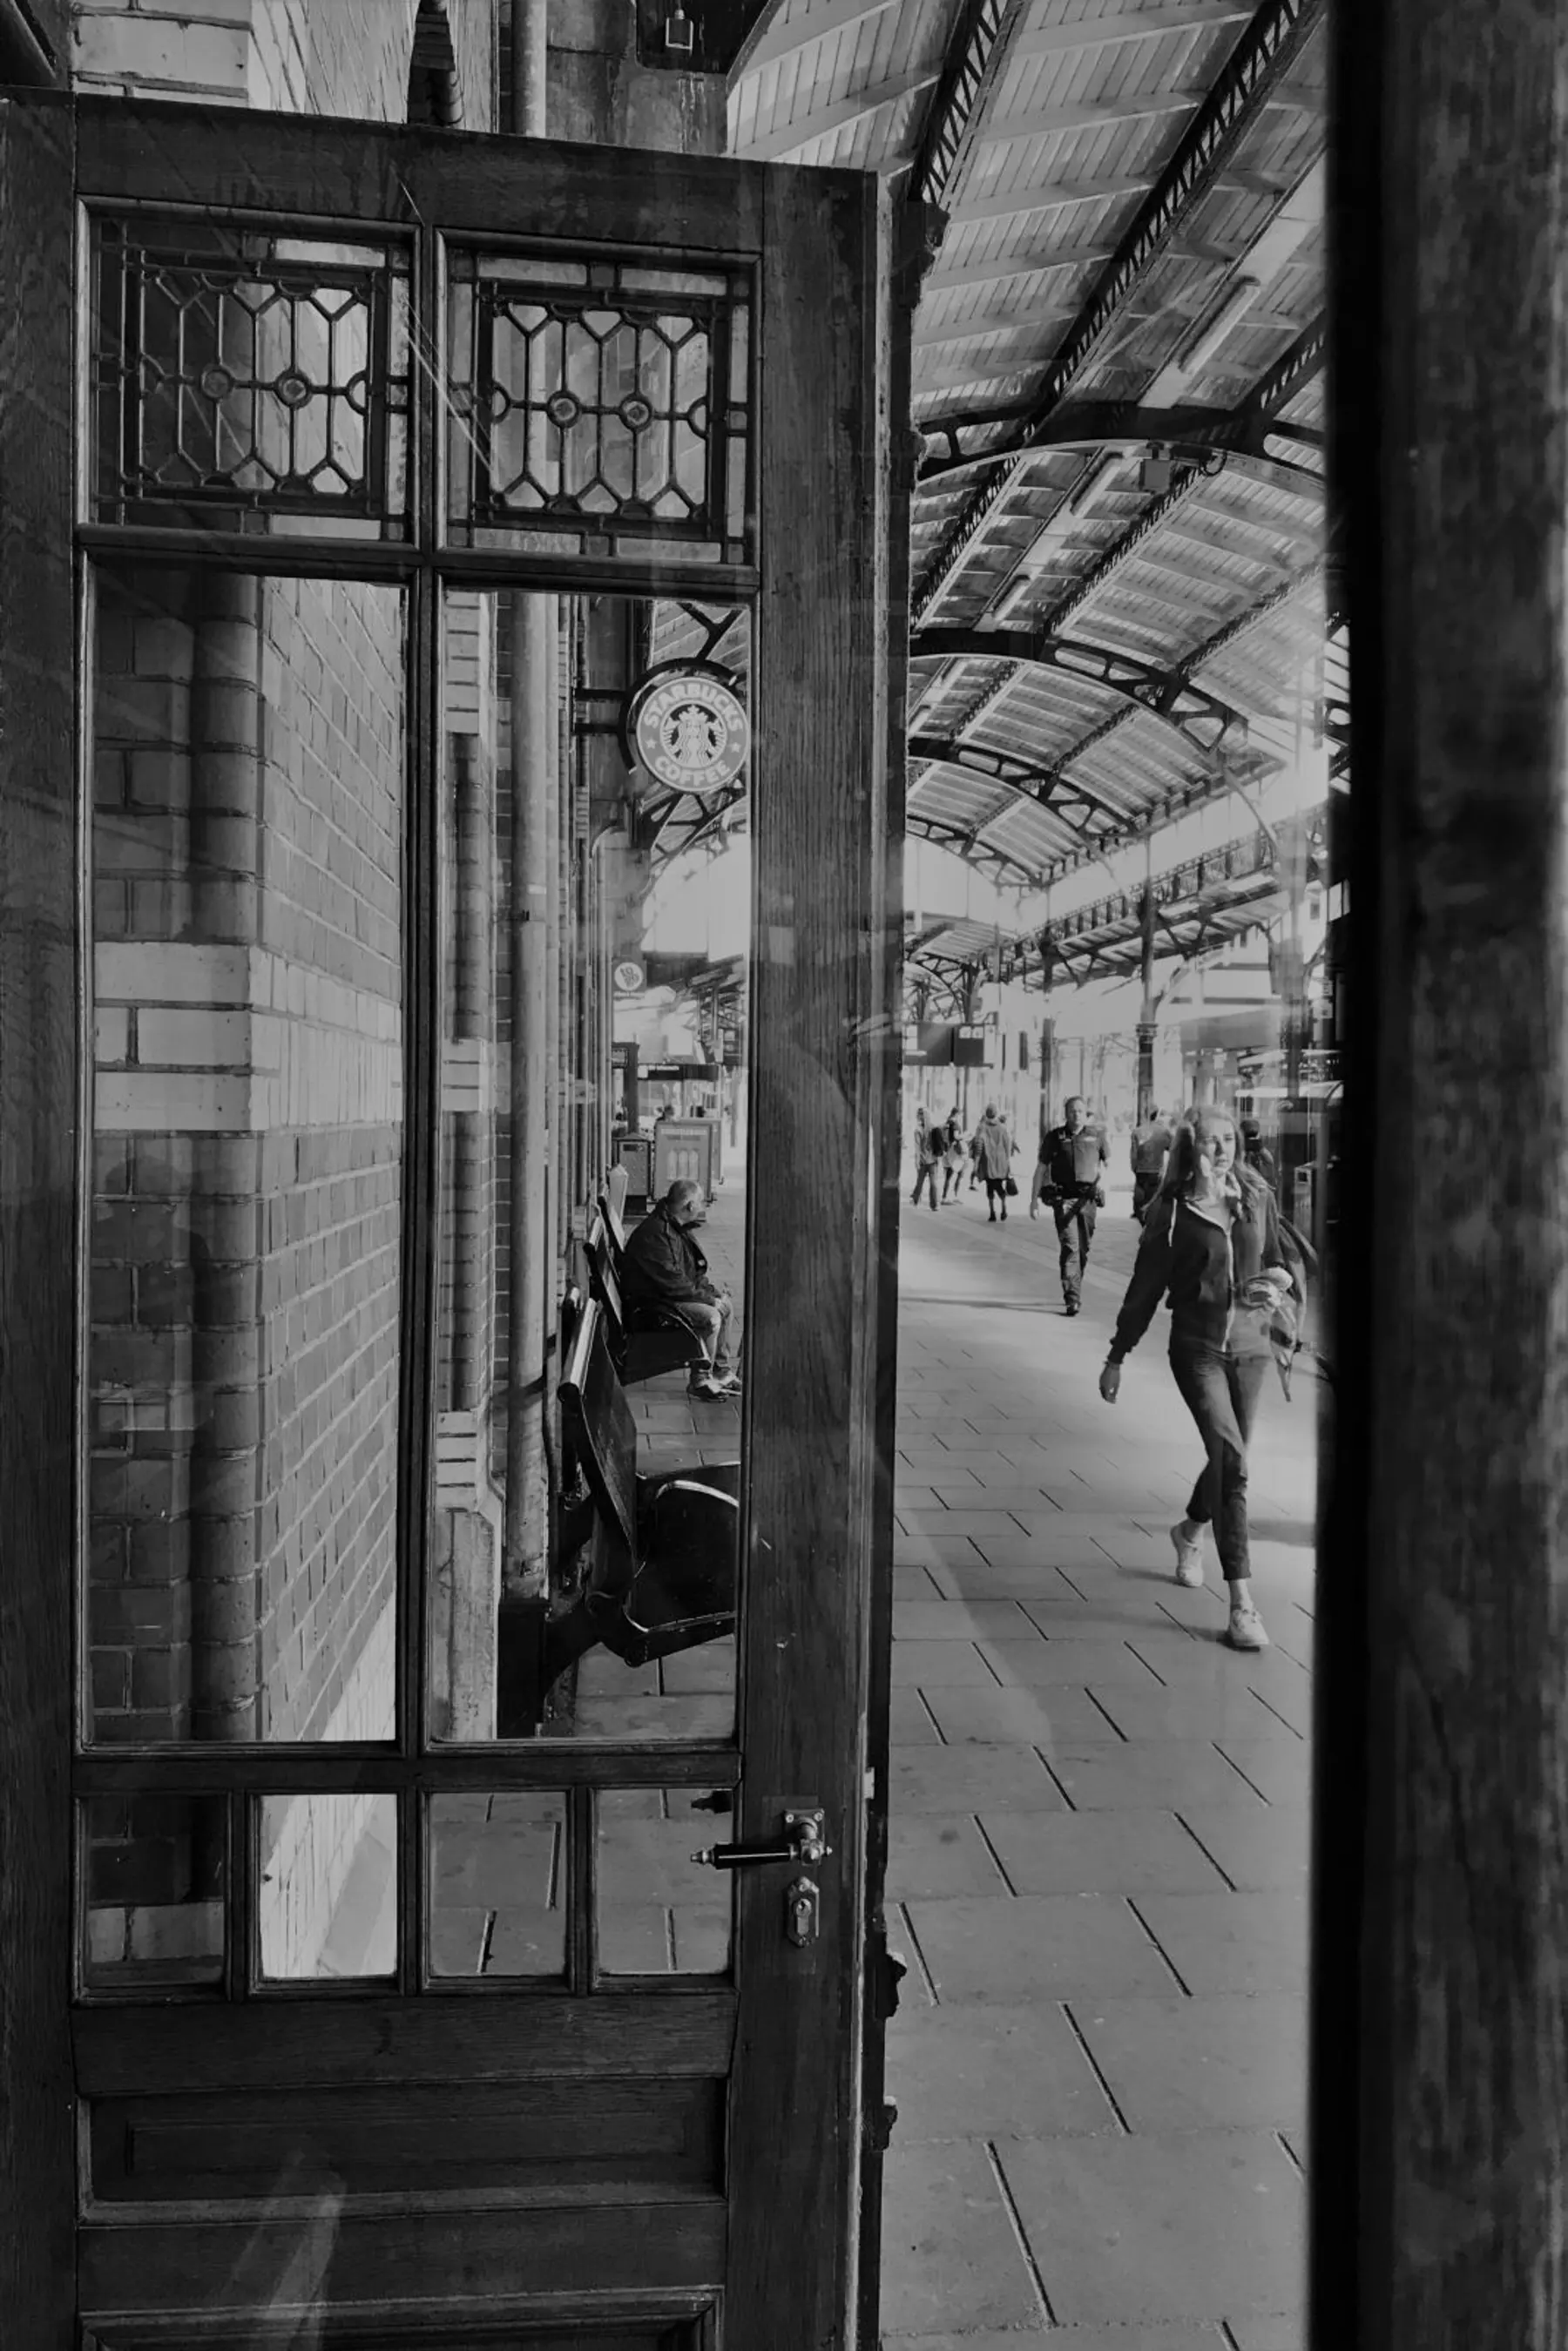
[
  {"x": 1155, "y": 470},
  {"x": 1198, "y": 353},
  {"x": 680, "y": 33}
]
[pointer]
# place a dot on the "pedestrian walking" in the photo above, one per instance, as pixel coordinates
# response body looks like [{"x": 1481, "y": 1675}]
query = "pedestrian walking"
[
  {"x": 1070, "y": 1178},
  {"x": 994, "y": 1147},
  {"x": 1151, "y": 1148},
  {"x": 1211, "y": 1247},
  {"x": 1255, "y": 1152},
  {"x": 927, "y": 1158},
  {"x": 954, "y": 1153}
]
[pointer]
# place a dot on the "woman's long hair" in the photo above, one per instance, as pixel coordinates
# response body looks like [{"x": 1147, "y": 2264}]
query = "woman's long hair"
[{"x": 1182, "y": 1168}]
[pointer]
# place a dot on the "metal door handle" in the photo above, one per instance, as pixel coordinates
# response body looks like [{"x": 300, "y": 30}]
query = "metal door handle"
[{"x": 802, "y": 1840}]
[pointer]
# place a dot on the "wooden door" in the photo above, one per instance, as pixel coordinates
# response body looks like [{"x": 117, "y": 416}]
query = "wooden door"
[{"x": 222, "y": 2129}]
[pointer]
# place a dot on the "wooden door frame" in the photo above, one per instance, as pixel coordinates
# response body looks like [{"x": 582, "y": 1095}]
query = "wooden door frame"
[
  {"x": 825, "y": 1019},
  {"x": 1439, "y": 2112}
]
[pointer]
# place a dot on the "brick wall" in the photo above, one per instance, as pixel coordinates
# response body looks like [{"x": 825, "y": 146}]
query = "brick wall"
[{"x": 247, "y": 854}]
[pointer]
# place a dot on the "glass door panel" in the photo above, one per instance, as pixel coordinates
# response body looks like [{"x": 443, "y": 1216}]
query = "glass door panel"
[
  {"x": 583, "y": 1535},
  {"x": 244, "y": 1291}
]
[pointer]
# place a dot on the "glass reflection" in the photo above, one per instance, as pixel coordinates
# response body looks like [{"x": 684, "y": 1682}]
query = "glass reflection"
[
  {"x": 329, "y": 1888},
  {"x": 497, "y": 1884},
  {"x": 583, "y": 1541},
  {"x": 659, "y": 1911},
  {"x": 247, "y": 845},
  {"x": 156, "y": 1870}
]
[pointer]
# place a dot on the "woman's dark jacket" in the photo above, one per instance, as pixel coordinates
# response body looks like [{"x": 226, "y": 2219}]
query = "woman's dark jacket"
[{"x": 1203, "y": 1273}]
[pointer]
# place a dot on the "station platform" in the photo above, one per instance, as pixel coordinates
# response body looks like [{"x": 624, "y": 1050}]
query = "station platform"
[{"x": 1099, "y": 1832}]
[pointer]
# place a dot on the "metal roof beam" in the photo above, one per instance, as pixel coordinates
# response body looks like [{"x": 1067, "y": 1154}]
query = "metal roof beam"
[
  {"x": 974, "y": 51},
  {"x": 1272, "y": 42},
  {"x": 776, "y": 146},
  {"x": 1165, "y": 693}
]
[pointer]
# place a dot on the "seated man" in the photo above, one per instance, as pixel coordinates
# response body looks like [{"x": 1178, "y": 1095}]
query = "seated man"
[{"x": 663, "y": 1267}]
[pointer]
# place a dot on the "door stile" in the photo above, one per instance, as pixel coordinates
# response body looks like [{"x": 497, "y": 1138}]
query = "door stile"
[
  {"x": 821, "y": 903},
  {"x": 40, "y": 787}
]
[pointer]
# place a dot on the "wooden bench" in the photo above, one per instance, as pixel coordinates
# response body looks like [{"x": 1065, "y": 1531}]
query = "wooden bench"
[{"x": 663, "y": 1564}]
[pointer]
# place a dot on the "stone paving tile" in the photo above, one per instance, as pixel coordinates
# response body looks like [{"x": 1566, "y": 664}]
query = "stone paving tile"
[
  {"x": 912, "y": 1584},
  {"x": 1062, "y": 1660},
  {"x": 970, "y": 1779},
  {"x": 1257, "y": 1853},
  {"x": 1209, "y": 2225},
  {"x": 978, "y": 1580},
  {"x": 1101, "y": 1853},
  {"x": 931, "y": 1552},
  {"x": 950, "y": 2256},
  {"x": 1221, "y": 1711},
  {"x": 940, "y": 1855},
  {"x": 952, "y": 1620},
  {"x": 1266, "y": 2335},
  {"x": 968, "y": 2073},
  {"x": 1037, "y": 1946},
  {"x": 909, "y": 1721},
  {"x": 1280, "y": 1768},
  {"x": 941, "y": 1665},
  {"x": 1211, "y": 2062},
  {"x": 1167, "y": 1773},
  {"x": 1231, "y": 1942},
  {"x": 1044, "y": 1719}
]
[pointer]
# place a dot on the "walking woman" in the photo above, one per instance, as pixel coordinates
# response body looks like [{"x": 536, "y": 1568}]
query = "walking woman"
[
  {"x": 1211, "y": 1245},
  {"x": 994, "y": 1146}
]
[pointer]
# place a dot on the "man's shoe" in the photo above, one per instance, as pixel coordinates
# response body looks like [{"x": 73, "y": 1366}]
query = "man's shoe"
[
  {"x": 1072, "y": 1306},
  {"x": 1189, "y": 1558},
  {"x": 1245, "y": 1630},
  {"x": 714, "y": 1391}
]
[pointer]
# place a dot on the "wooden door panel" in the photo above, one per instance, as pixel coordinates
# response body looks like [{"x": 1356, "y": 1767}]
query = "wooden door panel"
[
  {"x": 446, "y": 2263},
  {"x": 553, "y": 2139},
  {"x": 479, "y": 2038}
]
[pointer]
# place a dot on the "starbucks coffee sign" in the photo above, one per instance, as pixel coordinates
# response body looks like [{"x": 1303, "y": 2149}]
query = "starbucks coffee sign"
[{"x": 688, "y": 727}]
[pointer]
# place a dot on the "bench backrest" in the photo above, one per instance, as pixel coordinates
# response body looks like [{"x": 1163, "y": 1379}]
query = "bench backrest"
[
  {"x": 603, "y": 1432},
  {"x": 614, "y": 1227}
]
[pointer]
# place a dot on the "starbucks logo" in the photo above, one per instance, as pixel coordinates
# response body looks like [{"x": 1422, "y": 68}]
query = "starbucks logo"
[{"x": 688, "y": 728}]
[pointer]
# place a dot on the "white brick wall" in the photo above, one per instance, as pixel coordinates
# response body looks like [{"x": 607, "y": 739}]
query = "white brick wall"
[
  {"x": 293, "y": 56},
  {"x": 232, "y": 1040}
]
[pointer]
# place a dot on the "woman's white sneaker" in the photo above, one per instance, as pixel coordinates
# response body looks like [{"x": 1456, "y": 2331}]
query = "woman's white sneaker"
[
  {"x": 1189, "y": 1557},
  {"x": 1245, "y": 1630}
]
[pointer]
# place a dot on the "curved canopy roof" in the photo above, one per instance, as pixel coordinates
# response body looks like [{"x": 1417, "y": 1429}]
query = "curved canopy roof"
[{"x": 1122, "y": 609}]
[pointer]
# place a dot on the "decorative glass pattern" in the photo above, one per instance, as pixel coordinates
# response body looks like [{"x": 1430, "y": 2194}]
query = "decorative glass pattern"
[
  {"x": 599, "y": 408},
  {"x": 244, "y": 380}
]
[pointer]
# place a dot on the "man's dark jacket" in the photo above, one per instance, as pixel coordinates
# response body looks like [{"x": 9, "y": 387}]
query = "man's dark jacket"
[
  {"x": 1073, "y": 1162},
  {"x": 663, "y": 1264}
]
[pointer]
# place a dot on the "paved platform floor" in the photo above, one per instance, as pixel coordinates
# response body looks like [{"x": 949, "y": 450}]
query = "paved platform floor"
[{"x": 1099, "y": 1833}]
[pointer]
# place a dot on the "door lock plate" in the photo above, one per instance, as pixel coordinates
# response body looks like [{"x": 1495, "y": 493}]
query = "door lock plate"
[{"x": 802, "y": 1913}]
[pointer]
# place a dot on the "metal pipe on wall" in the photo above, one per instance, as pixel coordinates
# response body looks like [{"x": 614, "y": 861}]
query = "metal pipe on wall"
[{"x": 525, "y": 1572}]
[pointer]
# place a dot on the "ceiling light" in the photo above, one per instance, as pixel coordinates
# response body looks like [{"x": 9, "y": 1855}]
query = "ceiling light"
[{"x": 1198, "y": 353}]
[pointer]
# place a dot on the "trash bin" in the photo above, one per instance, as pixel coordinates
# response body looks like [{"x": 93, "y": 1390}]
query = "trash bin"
[{"x": 634, "y": 1152}]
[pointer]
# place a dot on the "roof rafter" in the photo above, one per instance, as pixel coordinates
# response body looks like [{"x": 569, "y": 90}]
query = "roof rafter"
[
  {"x": 1099, "y": 114},
  {"x": 1265, "y": 52},
  {"x": 776, "y": 41},
  {"x": 1104, "y": 33},
  {"x": 1052, "y": 197},
  {"x": 996, "y": 267},
  {"x": 840, "y": 114}
]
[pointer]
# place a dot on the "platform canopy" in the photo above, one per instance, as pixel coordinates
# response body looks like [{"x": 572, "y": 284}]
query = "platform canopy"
[{"x": 1124, "y": 617}]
